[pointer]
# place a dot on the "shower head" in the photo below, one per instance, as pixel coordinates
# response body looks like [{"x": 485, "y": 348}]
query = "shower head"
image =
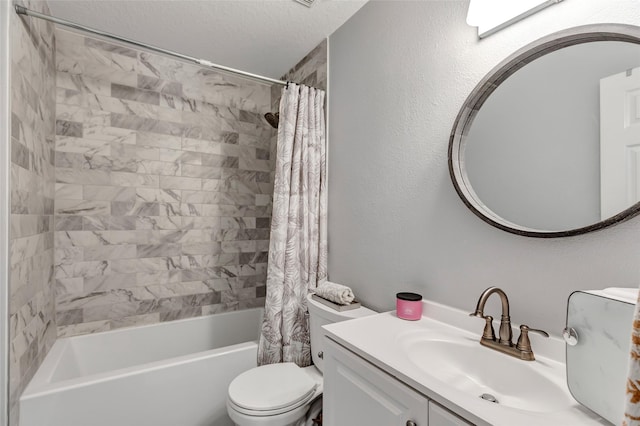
[{"x": 272, "y": 119}]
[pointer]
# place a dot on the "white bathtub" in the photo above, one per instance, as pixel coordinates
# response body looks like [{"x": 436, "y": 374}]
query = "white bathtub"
[{"x": 169, "y": 374}]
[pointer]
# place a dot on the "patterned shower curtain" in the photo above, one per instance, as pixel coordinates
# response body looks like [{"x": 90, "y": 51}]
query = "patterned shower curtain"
[
  {"x": 298, "y": 242},
  {"x": 632, "y": 402}
]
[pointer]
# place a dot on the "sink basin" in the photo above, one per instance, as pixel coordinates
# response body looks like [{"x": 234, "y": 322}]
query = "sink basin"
[{"x": 463, "y": 364}]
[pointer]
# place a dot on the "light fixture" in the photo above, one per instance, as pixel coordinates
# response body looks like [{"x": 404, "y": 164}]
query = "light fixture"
[
  {"x": 491, "y": 16},
  {"x": 307, "y": 3}
]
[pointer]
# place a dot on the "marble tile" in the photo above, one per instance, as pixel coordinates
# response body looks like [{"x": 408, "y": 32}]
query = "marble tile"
[
  {"x": 95, "y": 177},
  {"x": 252, "y": 258},
  {"x": 135, "y": 208},
  {"x": 20, "y": 154},
  {"x": 110, "y": 252},
  {"x": 71, "y": 316},
  {"x": 195, "y": 311},
  {"x": 124, "y": 121},
  {"x": 263, "y": 222},
  {"x": 148, "y": 265},
  {"x": 83, "y": 269},
  {"x": 135, "y": 320},
  {"x": 155, "y": 250},
  {"x": 108, "y": 193},
  {"x": 69, "y": 128},
  {"x": 109, "y": 47},
  {"x": 33, "y": 130},
  {"x": 108, "y": 223},
  {"x": 123, "y": 179},
  {"x": 159, "y": 222},
  {"x": 161, "y": 168},
  {"x": 158, "y": 195},
  {"x": 158, "y": 85},
  {"x": 89, "y": 147},
  {"x": 81, "y": 207},
  {"x": 84, "y": 116},
  {"x": 205, "y": 172},
  {"x": 163, "y": 189},
  {"x": 188, "y": 183},
  {"x": 135, "y": 151},
  {"x": 133, "y": 94},
  {"x": 68, "y": 191},
  {"x": 68, "y": 255},
  {"x": 110, "y": 133},
  {"x": 83, "y": 328},
  {"x": 107, "y": 312},
  {"x": 262, "y": 154},
  {"x": 102, "y": 283}
]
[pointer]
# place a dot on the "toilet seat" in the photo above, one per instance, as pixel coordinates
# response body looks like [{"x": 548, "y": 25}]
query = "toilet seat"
[{"x": 273, "y": 389}]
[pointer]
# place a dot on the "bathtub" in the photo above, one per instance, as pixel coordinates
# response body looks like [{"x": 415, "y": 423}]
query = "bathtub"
[{"x": 168, "y": 374}]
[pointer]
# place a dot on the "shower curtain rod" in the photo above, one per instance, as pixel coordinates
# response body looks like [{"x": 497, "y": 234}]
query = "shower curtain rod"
[{"x": 21, "y": 10}]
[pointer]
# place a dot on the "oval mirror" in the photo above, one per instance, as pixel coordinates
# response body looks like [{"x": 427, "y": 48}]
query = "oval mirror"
[{"x": 548, "y": 143}]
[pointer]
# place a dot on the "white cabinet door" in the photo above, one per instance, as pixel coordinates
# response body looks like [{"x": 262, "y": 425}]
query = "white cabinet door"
[
  {"x": 440, "y": 416},
  {"x": 356, "y": 393}
]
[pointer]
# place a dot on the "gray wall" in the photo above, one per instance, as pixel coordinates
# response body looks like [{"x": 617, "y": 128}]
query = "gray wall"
[
  {"x": 533, "y": 151},
  {"x": 399, "y": 72}
]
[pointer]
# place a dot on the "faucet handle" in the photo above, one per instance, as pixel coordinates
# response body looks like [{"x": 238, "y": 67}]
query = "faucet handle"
[
  {"x": 534, "y": 330},
  {"x": 524, "y": 344},
  {"x": 488, "y": 333}
]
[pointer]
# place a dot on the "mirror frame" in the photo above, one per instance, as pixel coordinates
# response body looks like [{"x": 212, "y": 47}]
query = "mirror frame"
[{"x": 473, "y": 103}]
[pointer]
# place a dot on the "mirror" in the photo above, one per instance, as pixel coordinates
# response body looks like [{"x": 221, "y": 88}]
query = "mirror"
[{"x": 548, "y": 143}]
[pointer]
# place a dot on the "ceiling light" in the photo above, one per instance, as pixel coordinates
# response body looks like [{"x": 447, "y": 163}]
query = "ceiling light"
[
  {"x": 307, "y": 3},
  {"x": 491, "y": 16}
]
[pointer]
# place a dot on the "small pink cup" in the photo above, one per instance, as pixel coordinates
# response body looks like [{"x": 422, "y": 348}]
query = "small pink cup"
[{"x": 409, "y": 306}]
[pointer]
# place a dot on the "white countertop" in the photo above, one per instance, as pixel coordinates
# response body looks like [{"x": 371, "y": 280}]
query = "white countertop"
[{"x": 378, "y": 339}]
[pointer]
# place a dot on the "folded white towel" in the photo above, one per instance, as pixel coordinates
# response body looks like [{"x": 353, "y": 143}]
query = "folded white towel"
[{"x": 337, "y": 293}]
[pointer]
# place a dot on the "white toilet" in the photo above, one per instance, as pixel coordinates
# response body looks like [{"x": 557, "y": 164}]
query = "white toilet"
[{"x": 285, "y": 394}]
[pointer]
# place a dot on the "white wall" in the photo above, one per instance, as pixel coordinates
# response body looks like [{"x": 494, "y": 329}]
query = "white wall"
[{"x": 399, "y": 72}]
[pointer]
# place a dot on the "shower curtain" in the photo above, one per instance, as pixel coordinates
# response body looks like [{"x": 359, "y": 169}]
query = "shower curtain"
[
  {"x": 632, "y": 401},
  {"x": 298, "y": 242}
]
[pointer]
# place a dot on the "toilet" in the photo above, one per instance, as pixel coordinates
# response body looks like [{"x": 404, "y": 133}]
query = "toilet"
[{"x": 285, "y": 394}]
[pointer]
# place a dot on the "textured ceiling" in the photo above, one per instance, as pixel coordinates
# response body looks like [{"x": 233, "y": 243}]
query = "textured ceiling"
[{"x": 265, "y": 37}]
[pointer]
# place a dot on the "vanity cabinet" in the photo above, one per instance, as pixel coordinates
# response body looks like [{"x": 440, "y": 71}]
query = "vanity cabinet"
[
  {"x": 440, "y": 416},
  {"x": 359, "y": 393}
]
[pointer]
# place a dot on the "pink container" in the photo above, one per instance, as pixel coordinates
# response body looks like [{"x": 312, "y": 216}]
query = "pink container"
[{"x": 409, "y": 306}]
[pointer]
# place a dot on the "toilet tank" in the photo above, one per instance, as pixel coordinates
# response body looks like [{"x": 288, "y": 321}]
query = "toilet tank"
[{"x": 320, "y": 315}]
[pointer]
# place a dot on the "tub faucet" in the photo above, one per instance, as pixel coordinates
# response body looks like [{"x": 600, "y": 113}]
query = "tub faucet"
[{"x": 504, "y": 344}]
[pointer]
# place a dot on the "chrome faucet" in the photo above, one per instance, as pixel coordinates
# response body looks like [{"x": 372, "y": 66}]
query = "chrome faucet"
[{"x": 522, "y": 349}]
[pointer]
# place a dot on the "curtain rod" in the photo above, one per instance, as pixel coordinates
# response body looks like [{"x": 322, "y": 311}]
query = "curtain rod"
[{"x": 21, "y": 10}]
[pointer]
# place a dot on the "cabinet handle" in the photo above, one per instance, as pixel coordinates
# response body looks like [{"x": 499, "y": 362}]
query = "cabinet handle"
[
  {"x": 411, "y": 423},
  {"x": 321, "y": 355}
]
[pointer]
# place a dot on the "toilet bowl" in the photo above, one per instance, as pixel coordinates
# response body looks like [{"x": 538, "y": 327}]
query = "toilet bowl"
[
  {"x": 285, "y": 394},
  {"x": 274, "y": 395}
]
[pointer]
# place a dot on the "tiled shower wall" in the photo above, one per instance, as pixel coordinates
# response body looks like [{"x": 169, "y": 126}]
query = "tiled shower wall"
[
  {"x": 163, "y": 188},
  {"x": 31, "y": 304},
  {"x": 311, "y": 71}
]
